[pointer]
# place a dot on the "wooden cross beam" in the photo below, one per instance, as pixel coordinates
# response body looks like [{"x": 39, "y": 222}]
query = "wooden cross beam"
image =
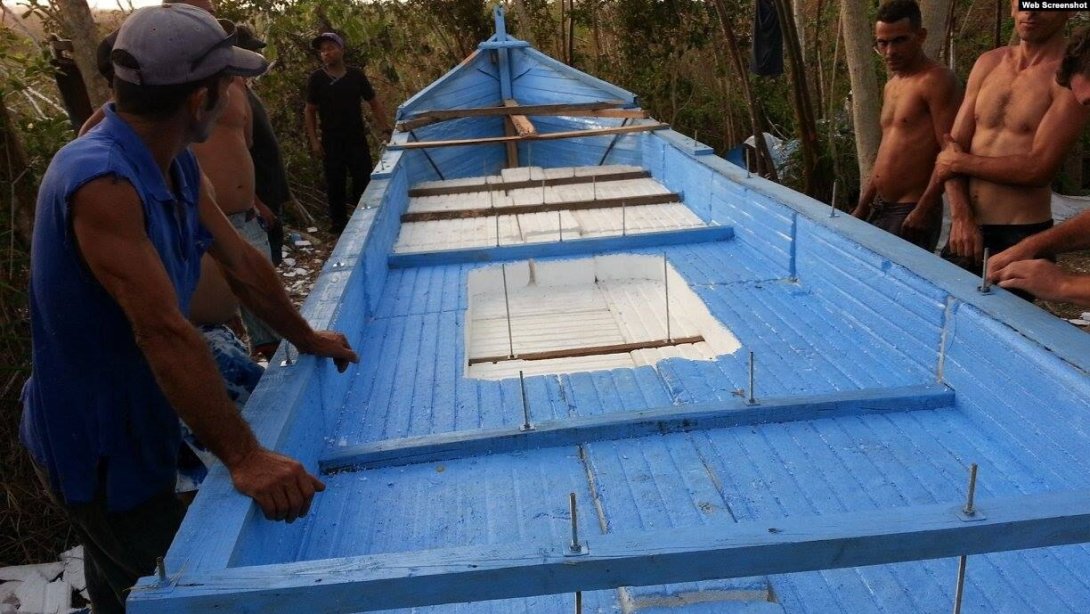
[
  {"x": 724, "y": 550},
  {"x": 604, "y": 108},
  {"x": 573, "y": 247},
  {"x": 547, "y": 136},
  {"x": 628, "y": 424}
]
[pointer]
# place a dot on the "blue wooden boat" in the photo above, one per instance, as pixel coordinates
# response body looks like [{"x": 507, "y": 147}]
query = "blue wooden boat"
[{"x": 605, "y": 370}]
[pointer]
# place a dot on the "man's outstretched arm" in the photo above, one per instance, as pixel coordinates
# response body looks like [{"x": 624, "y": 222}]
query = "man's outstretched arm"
[{"x": 108, "y": 224}]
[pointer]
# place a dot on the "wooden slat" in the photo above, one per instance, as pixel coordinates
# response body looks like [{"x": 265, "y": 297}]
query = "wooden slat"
[
  {"x": 430, "y": 117},
  {"x": 522, "y": 124},
  {"x": 512, "y": 147},
  {"x": 528, "y": 183},
  {"x": 547, "y": 136},
  {"x": 663, "y": 556},
  {"x": 614, "y": 424},
  {"x": 574, "y": 247},
  {"x": 593, "y": 350},
  {"x": 578, "y": 205}
]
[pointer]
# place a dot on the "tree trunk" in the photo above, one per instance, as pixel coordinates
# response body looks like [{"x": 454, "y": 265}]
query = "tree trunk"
[
  {"x": 15, "y": 181},
  {"x": 857, "y": 25},
  {"x": 798, "y": 12},
  {"x": 935, "y": 17},
  {"x": 571, "y": 33},
  {"x": 804, "y": 108},
  {"x": 79, "y": 26},
  {"x": 765, "y": 167}
]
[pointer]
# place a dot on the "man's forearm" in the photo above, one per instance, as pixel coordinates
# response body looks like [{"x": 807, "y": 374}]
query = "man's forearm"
[
  {"x": 1069, "y": 236},
  {"x": 1020, "y": 170},
  {"x": 183, "y": 367},
  {"x": 255, "y": 284},
  {"x": 957, "y": 191}
]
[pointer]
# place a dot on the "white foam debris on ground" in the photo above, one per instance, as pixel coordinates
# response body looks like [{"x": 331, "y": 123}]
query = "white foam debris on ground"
[
  {"x": 48, "y": 588},
  {"x": 580, "y": 303},
  {"x": 543, "y": 227}
]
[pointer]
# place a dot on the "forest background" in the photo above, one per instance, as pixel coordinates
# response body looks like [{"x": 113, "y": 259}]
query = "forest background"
[{"x": 687, "y": 60}]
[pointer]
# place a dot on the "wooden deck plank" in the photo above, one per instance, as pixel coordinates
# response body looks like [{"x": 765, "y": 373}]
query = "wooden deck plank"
[
  {"x": 527, "y": 183},
  {"x": 500, "y": 571},
  {"x": 578, "y": 205}
]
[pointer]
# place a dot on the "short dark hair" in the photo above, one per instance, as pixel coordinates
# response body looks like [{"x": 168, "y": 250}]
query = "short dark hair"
[
  {"x": 157, "y": 102},
  {"x": 1076, "y": 57},
  {"x": 102, "y": 57},
  {"x": 896, "y": 10}
]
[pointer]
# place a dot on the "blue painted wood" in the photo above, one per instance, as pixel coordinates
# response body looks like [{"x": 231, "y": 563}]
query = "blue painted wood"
[
  {"x": 504, "y": 55},
  {"x": 413, "y": 579},
  {"x": 625, "y": 424},
  {"x": 575, "y": 247},
  {"x": 507, "y": 44},
  {"x": 579, "y": 85},
  {"x": 868, "y": 310}
]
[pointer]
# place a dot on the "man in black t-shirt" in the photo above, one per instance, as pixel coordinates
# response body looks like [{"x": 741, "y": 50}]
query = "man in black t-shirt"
[{"x": 334, "y": 96}]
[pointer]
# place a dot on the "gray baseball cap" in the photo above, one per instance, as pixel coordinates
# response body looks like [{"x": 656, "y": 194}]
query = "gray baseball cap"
[{"x": 178, "y": 43}]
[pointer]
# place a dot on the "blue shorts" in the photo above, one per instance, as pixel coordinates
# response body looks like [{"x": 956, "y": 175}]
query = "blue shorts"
[
  {"x": 249, "y": 228},
  {"x": 240, "y": 376}
]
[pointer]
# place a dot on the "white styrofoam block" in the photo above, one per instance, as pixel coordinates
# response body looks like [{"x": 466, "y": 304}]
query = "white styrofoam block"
[{"x": 586, "y": 302}]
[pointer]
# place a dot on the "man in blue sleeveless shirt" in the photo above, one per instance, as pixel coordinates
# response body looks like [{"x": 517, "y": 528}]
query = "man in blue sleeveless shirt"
[{"x": 123, "y": 219}]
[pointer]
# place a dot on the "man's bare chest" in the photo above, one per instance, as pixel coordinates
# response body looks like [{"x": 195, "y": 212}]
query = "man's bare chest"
[
  {"x": 903, "y": 105},
  {"x": 1014, "y": 100}
]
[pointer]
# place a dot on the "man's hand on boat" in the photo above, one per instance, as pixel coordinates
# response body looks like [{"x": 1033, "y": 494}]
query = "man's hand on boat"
[
  {"x": 279, "y": 485},
  {"x": 1000, "y": 261},
  {"x": 1041, "y": 278},
  {"x": 330, "y": 344}
]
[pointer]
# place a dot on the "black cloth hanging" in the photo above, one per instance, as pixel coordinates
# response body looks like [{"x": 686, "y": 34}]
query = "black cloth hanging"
[{"x": 767, "y": 59}]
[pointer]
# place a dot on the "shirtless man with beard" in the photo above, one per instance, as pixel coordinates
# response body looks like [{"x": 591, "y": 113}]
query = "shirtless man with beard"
[
  {"x": 1010, "y": 137},
  {"x": 919, "y": 103}
]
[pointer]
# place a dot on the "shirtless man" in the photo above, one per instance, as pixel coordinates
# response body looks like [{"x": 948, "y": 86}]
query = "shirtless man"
[
  {"x": 1024, "y": 267},
  {"x": 920, "y": 101},
  {"x": 1010, "y": 137},
  {"x": 225, "y": 160}
]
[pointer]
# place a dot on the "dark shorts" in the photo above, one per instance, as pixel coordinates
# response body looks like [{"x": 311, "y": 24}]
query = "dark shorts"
[
  {"x": 119, "y": 547},
  {"x": 890, "y": 217},
  {"x": 998, "y": 237}
]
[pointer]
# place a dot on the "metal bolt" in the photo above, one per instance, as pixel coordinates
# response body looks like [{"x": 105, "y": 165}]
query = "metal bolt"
[
  {"x": 288, "y": 360},
  {"x": 985, "y": 285},
  {"x": 969, "y": 511},
  {"x": 666, "y": 282},
  {"x": 575, "y": 546},
  {"x": 526, "y": 426},
  {"x": 507, "y": 305},
  {"x": 752, "y": 400},
  {"x": 162, "y": 568}
]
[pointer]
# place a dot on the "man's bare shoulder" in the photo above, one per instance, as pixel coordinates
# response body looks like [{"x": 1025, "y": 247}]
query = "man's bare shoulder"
[
  {"x": 939, "y": 75},
  {"x": 989, "y": 60}
]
